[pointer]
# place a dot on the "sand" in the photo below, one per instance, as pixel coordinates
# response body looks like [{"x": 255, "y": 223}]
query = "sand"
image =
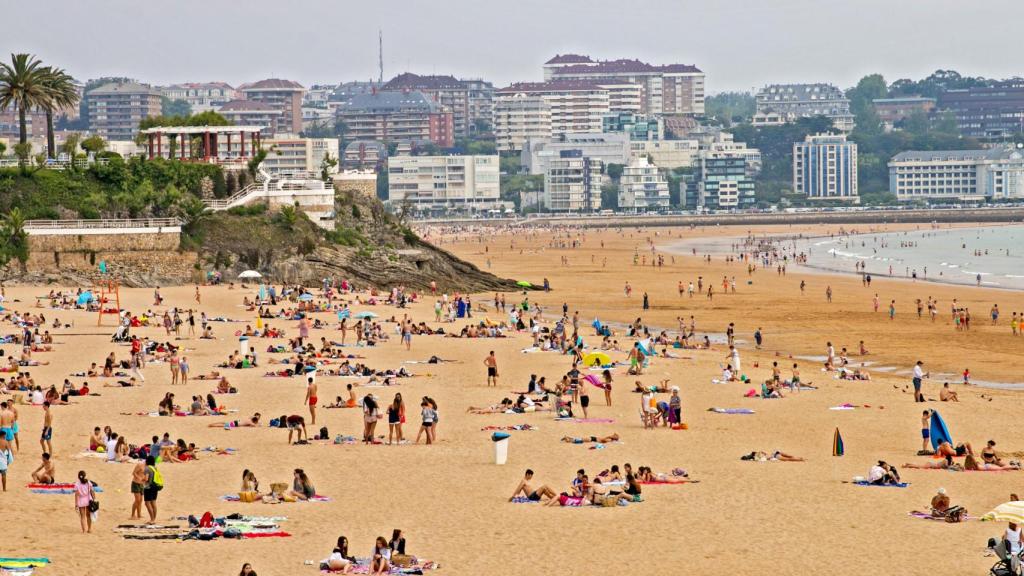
[{"x": 450, "y": 498}]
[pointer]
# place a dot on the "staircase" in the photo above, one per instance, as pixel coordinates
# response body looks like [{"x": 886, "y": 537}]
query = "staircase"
[{"x": 240, "y": 198}]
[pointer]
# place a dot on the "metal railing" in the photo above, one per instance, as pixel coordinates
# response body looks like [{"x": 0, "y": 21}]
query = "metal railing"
[
  {"x": 237, "y": 197},
  {"x": 53, "y": 164},
  {"x": 95, "y": 224}
]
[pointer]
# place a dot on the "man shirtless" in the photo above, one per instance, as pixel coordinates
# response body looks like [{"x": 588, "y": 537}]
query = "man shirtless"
[
  {"x": 46, "y": 439},
  {"x": 139, "y": 479},
  {"x": 527, "y": 490},
  {"x": 311, "y": 399},
  {"x": 491, "y": 362},
  {"x": 45, "y": 473},
  {"x": 7, "y": 418},
  {"x": 595, "y": 439}
]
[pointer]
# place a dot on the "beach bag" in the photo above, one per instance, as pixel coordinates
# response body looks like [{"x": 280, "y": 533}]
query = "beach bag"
[
  {"x": 158, "y": 479},
  {"x": 278, "y": 488},
  {"x": 609, "y": 501},
  {"x": 94, "y": 505},
  {"x": 402, "y": 560},
  {"x": 956, "y": 514}
]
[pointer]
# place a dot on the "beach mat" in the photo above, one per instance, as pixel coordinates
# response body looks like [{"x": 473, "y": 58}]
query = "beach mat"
[
  {"x": 870, "y": 485},
  {"x": 235, "y": 498},
  {"x": 926, "y": 516},
  {"x": 57, "y": 488},
  {"x": 731, "y": 410}
]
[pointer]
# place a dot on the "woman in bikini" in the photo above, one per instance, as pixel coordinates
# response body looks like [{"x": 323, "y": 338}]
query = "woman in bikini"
[{"x": 252, "y": 422}]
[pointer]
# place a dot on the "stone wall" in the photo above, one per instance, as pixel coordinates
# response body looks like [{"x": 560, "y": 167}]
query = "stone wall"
[{"x": 141, "y": 259}]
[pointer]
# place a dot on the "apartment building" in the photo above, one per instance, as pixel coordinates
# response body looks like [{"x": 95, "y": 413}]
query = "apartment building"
[
  {"x": 252, "y": 113},
  {"x": 450, "y": 93},
  {"x": 782, "y": 103},
  {"x": 519, "y": 118},
  {"x": 642, "y": 187},
  {"x": 608, "y": 148},
  {"x": 574, "y": 106},
  {"x": 436, "y": 183},
  {"x": 892, "y": 111},
  {"x": 397, "y": 116},
  {"x": 572, "y": 183},
  {"x": 293, "y": 155},
  {"x": 673, "y": 89},
  {"x": 637, "y": 126},
  {"x": 201, "y": 96},
  {"x": 284, "y": 96},
  {"x": 825, "y": 168},
  {"x": 481, "y": 102},
  {"x": 720, "y": 182},
  {"x": 996, "y": 173},
  {"x": 989, "y": 113},
  {"x": 668, "y": 154},
  {"x": 115, "y": 109}
]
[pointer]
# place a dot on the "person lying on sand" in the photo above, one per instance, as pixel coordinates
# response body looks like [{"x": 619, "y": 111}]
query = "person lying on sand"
[
  {"x": 641, "y": 388},
  {"x": 505, "y": 406},
  {"x": 212, "y": 375},
  {"x": 526, "y": 489},
  {"x": 252, "y": 422},
  {"x": 644, "y": 474},
  {"x": 776, "y": 456},
  {"x": 597, "y": 439},
  {"x": 947, "y": 451}
]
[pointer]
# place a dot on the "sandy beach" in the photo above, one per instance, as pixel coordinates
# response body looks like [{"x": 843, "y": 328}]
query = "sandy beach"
[{"x": 451, "y": 500}]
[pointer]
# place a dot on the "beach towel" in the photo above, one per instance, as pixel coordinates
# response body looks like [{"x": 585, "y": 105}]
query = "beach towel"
[
  {"x": 23, "y": 562},
  {"x": 926, "y": 516},
  {"x": 731, "y": 410},
  {"x": 57, "y": 488},
  {"x": 587, "y": 420},
  {"x": 680, "y": 481},
  {"x": 866, "y": 483},
  {"x": 235, "y": 498},
  {"x": 362, "y": 566},
  {"x": 520, "y": 427},
  {"x": 595, "y": 381}
]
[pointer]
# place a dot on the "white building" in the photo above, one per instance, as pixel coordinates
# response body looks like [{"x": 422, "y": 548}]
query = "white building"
[
  {"x": 668, "y": 154},
  {"x": 624, "y": 97},
  {"x": 518, "y": 118},
  {"x": 825, "y": 168},
  {"x": 294, "y": 155},
  {"x": 575, "y": 106},
  {"x": 202, "y": 96},
  {"x": 642, "y": 187},
  {"x": 572, "y": 183},
  {"x": 608, "y": 148},
  {"x": 996, "y": 173},
  {"x": 782, "y": 103},
  {"x": 459, "y": 183}
]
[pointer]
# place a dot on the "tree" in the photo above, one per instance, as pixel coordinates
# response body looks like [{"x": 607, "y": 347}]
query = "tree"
[
  {"x": 13, "y": 238},
  {"x": 3, "y": 149},
  {"x": 70, "y": 145},
  {"x": 256, "y": 160},
  {"x": 614, "y": 171},
  {"x": 170, "y": 107},
  {"x": 610, "y": 196},
  {"x": 288, "y": 215},
  {"x": 729, "y": 108},
  {"x": 192, "y": 211},
  {"x": 60, "y": 95},
  {"x": 327, "y": 165},
  {"x": 94, "y": 144},
  {"x": 21, "y": 85},
  {"x": 862, "y": 104}
]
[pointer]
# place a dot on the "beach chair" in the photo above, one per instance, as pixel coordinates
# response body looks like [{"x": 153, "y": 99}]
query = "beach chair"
[{"x": 1008, "y": 564}]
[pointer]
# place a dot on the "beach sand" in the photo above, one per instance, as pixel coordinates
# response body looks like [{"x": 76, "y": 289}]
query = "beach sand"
[{"x": 450, "y": 498}]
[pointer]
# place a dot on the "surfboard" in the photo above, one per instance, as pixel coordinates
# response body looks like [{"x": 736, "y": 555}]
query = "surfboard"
[{"x": 939, "y": 432}]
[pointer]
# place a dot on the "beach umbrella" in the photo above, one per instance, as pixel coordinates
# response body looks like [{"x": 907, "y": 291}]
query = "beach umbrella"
[
  {"x": 263, "y": 292},
  {"x": 1008, "y": 512},
  {"x": 250, "y": 274},
  {"x": 524, "y": 284},
  {"x": 342, "y": 314},
  {"x": 596, "y": 359},
  {"x": 306, "y": 297},
  {"x": 366, "y": 315},
  {"x": 838, "y": 449},
  {"x": 85, "y": 298}
]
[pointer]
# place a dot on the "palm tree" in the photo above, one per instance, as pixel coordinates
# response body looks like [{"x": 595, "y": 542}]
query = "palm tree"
[
  {"x": 21, "y": 85},
  {"x": 60, "y": 95}
]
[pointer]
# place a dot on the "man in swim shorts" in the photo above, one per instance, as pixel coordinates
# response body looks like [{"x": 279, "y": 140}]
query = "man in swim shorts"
[
  {"x": 6, "y": 422},
  {"x": 311, "y": 398},
  {"x": 527, "y": 490}
]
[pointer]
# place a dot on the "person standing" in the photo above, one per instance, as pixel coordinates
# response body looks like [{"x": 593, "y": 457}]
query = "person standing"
[
  {"x": 919, "y": 375},
  {"x": 154, "y": 484},
  {"x": 198, "y": 299},
  {"x": 828, "y": 294},
  {"x": 491, "y": 362},
  {"x": 6, "y": 458},
  {"x": 139, "y": 480},
  {"x": 647, "y": 303},
  {"x": 758, "y": 338},
  {"x": 311, "y": 399},
  {"x": 174, "y": 363},
  {"x": 84, "y": 501},
  {"x": 183, "y": 368},
  {"x": 926, "y": 424},
  {"x": 46, "y": 440}
]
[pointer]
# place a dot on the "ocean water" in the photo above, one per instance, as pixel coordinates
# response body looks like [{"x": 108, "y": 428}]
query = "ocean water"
[{"x": 949, "y": 255}]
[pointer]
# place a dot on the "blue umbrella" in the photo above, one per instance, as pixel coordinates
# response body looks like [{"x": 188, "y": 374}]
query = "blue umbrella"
[
  {"x": 366, "y": 315},
  {"x": 85, "y": 298},
  {"x": 306, "y": 297}
]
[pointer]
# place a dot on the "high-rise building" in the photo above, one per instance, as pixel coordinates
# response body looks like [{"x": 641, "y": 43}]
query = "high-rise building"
[
  {"x": 481, "y": 102},
  {"x": 519, "y": 118},
  {"x": 450, "y": 93},
  {"x": 642, "y": 187},
  {"x": 572, "y": 183},
  {"x": 637, "y": 126},
  {"x": 431, "y": 183},
  {"x": 989, "y": 113},
  {"x": 115, "y": 109},
  {"x": 201, "y": 96},
  {"x": 669, "y": 89},
  {"x": 282, "y": 95},
  {"x": 825, "y": 168},
  {"x": 575, "y": 106},
  {"x": 724, "y": 173},
  {"x": 782, "y": 103},
  {"x": 996, "y": 173},
  {"x": 608, "y": 148},
  {"x": 397, "y": 116}
]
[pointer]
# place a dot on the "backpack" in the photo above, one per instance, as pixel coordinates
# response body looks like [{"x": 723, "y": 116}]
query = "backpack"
[
  {"x": 323, "y": 433},
  {"x": 158, "y": 478}
]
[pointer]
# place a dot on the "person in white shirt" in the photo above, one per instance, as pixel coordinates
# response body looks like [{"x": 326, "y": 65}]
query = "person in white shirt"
[
  {"x": 919, "y": 375},
  {"x": 882, "y": 474},
  {"x": 1013, "y": 539},
  {"x": 734, "y": 358},
  {"x": 111, "y": 447}
]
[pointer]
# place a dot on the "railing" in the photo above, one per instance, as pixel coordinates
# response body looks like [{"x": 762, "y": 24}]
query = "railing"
[
  {"x": 52, "y": 164},
  {"x": 94, "y": 224},
  {"x": 236, "y": 199}
]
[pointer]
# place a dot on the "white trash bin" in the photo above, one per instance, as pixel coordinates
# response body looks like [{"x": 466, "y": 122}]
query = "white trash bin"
[
  {"x": 500, "y": 447},
  {"x": 243, "y": 345}
]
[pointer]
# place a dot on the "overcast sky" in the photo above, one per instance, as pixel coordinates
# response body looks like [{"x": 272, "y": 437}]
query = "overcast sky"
[{"x": 739, "y": 44}]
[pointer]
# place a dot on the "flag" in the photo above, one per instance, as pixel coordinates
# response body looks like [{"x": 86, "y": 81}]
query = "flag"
[{"x": 837, "y": 444}]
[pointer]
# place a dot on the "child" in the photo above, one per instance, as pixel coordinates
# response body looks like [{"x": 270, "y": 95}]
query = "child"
[{"x": 926, "y": 422}]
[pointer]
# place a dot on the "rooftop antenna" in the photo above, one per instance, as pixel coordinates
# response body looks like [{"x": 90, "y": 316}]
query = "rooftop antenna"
[{"x": 380, "y": 55}]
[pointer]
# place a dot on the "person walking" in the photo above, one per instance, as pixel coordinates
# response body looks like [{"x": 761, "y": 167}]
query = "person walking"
[{"x": 85, "y": 501}]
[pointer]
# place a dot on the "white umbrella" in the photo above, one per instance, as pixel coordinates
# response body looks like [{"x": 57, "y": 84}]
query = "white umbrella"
[
  {"x": 250, "y": 274},
  {"x": 1008, "y": 512}
]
